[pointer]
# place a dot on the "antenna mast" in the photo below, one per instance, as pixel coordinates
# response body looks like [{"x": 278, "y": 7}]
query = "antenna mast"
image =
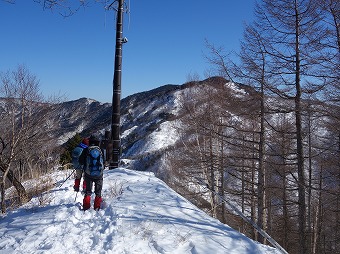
[{"x": 115, "y": 124}]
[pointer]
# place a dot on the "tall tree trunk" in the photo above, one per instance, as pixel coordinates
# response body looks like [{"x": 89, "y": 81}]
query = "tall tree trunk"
[
  {"x": 299, "y": 144},
  {"x": 285, "y": 214},
  {"x": 261, "y": 178},
  {"x": 222, "y": 188},
  {"x": 212, "y": 177},
  {"x": 309, "y": 197},
  {"x": 317, "y": 224},
  {"x": 253, "y": 198}
]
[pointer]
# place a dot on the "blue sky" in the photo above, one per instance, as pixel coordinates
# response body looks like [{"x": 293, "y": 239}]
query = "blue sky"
[{"x": 74, "y": 56}]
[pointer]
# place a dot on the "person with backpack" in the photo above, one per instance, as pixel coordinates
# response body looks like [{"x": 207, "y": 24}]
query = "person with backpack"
[
  {"x": 93, "y": 161},
  {"x": 76, "y": 153}
]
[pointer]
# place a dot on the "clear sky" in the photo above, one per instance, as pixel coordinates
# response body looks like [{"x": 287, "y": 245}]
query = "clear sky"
[{"x": 74, "y": 56}]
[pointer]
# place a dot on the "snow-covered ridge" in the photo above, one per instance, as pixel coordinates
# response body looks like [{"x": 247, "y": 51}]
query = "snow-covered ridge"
[{"x": 141, "y": 215}]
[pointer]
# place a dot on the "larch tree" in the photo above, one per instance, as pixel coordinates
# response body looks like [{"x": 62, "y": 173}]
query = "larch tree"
[
  {"x": 292, "y": 31},
  {"x": 252, "y": 71}
]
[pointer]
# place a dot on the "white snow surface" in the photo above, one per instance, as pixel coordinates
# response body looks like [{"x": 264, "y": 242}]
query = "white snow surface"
[
  {"x": 162, "y": 138},
  {"x": 158, "y": 140},
  {"x": 140, "y": 214}
]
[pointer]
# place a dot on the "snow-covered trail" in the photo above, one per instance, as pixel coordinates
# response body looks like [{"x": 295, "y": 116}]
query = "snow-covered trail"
[{"x": 141, "y": 215}]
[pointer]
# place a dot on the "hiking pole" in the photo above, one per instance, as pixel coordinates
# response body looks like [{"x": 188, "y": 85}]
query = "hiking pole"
[
  {"x": 76, "y": 196},
  {"x": 66, "y": 178}
]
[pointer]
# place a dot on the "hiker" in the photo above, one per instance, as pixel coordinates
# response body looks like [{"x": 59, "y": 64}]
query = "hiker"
[
  {"x": 76, "y": 153},
  {"x": 93, "y": 161}
]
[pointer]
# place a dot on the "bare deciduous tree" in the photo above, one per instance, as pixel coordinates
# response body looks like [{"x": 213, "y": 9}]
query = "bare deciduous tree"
[
  {"x": 26, "y": 124},
  {"x": 291, "y": 50}
]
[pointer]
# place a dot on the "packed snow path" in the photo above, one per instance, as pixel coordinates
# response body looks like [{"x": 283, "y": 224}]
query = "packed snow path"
[{"x": 141, "y": 215}]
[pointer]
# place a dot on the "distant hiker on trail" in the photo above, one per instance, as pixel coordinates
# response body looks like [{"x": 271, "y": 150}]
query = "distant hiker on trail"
[
  {"x": 76, "y": 153},
  {"x": 93, "y": 161}
]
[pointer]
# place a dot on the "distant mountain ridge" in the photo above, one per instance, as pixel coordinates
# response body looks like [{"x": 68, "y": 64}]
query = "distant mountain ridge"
[{"x": 144, "y": 116}]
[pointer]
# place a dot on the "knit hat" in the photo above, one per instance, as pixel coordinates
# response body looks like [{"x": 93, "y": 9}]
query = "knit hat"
[{"x": 94, "y": 139}]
